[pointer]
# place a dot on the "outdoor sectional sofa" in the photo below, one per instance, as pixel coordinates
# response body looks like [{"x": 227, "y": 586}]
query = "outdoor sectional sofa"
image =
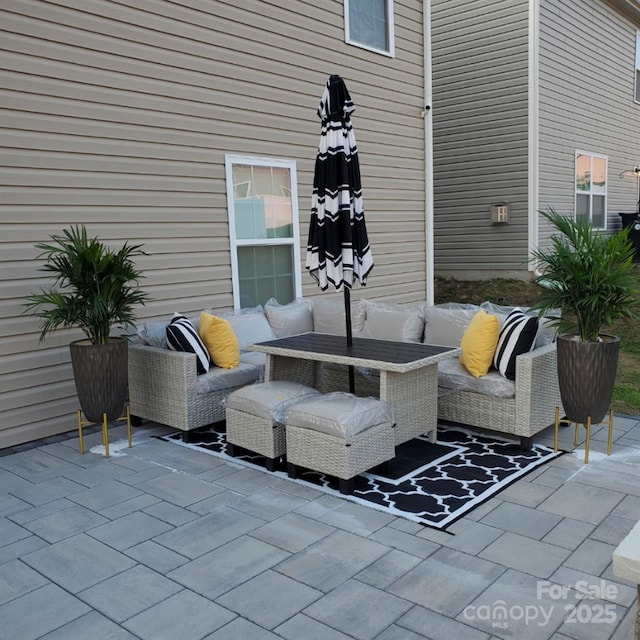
[{"x": 164, "y": 386}]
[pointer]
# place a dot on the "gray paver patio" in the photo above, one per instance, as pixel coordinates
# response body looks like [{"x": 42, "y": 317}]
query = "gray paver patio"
[{"x": 160, "y": 541}]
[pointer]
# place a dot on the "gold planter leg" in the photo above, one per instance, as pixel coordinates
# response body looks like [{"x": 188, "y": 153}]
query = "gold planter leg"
[
  {"x": 556, "y": 430},
  {"x": 105, "y": 430},
  {"x": 80, "y": 438},
  {"x": 105, "y": 435},
  {"x": 587, "y": 426}
]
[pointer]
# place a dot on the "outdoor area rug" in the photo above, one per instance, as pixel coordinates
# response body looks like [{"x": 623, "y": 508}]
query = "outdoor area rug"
[{"x": 433, "y": 484}]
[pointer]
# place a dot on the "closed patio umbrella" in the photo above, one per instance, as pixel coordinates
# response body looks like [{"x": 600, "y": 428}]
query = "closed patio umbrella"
[{"x": 338, "y": 251}]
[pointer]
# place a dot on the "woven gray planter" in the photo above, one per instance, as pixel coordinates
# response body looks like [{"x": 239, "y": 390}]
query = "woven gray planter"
[
  {"x": 586, "y": 376},
  {"x": 100, "y": 374}
]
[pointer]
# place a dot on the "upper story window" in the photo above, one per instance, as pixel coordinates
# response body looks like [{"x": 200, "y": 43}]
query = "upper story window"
[
  {"x": 369, "y": 24},
  {"x": 591, "y": 189},
  {"x": 264, "y": 234},
  {"x": 637, "y": 92}
]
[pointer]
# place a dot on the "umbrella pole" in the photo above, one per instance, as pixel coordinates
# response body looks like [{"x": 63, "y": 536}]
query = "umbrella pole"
[{"x": 347, "y": 316}]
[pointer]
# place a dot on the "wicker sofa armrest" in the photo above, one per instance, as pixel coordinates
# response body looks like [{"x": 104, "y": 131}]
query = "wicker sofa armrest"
[
  {"x": 161, "y": 384},
  {"x": 537, "y": 392}
]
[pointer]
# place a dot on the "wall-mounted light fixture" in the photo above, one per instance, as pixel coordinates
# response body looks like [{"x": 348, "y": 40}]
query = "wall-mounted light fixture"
[
  {"x": 500, "y": 213},
  {"x": 630, "y": 173},
  {"x": 633, "y": 173}
]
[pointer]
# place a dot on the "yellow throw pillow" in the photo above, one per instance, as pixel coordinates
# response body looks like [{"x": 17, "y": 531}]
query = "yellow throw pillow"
[
  {"x": 220, "y": 340},
  {"x": 479, "y": 342}
]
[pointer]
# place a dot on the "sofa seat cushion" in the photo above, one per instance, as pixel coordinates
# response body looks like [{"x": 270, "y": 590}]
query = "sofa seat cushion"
[
  {"x": 218, "y": 379},
  {"x": 453, "y": 375}
]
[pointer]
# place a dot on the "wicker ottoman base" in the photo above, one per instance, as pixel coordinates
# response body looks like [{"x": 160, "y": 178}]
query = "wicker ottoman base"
[
  {"x": 255, "y": 415},
  {"x": 343, "y": 457}
]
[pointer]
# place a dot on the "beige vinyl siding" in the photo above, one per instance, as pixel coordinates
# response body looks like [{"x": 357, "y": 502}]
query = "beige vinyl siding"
[
  {"x": 119, "y": 115},
  {"x": 480, "y": 122},
  {"x": 587, "y": 65}
]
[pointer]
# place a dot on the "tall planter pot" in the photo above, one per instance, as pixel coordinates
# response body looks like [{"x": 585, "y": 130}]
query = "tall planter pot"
[
  {"x": 100, "y": 374},
  {"x": 586, "y": 376}
]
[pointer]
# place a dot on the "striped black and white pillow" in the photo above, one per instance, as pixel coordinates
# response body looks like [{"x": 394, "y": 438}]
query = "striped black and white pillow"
[
  {"x": 517, "y": 335},
  {"x": 183, "y": 336}
]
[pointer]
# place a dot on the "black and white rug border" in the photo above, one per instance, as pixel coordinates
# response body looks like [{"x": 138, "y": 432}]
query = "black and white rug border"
[{"x": 547, "y": 455}]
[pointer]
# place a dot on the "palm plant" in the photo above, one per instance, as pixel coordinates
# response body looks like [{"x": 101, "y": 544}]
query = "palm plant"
[
  {"x": 97, "y": 288},
  {"x": 589, "y": 277}
]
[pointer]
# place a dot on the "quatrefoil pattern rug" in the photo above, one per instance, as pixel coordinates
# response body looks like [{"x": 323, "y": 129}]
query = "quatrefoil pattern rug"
[{"x": 433, "y": 484}]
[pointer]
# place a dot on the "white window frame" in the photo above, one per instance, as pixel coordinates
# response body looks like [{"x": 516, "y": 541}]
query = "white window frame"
[
  {"x": 390, "y": 31},
  {"x": 234, "y": 242},
  {"x": 636, "y": 85},
  {"x": 592, "y": 191}
]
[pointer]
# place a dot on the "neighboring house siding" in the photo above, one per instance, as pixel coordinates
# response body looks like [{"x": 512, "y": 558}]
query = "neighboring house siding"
[
  {"x": 119, "y": 115},
  {"x": 480, "y": 122},
  {"x": 587, "y": 65}
]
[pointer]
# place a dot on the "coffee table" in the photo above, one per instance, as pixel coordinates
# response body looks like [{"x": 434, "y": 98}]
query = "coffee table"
[{"x": 408, "y": 372}]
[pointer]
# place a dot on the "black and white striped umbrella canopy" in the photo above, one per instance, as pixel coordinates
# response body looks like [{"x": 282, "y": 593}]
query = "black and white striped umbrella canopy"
[{"x": 338, "y": 251}]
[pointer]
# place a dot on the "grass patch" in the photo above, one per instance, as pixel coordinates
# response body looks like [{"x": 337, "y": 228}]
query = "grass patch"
[{"x": 626, "y": 396}]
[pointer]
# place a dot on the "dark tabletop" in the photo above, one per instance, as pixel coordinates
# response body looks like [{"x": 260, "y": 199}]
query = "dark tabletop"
[{"x": 365, "y": 348}]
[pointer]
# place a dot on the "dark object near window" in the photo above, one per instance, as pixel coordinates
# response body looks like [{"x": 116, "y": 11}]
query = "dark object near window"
[{"x": 633, "y": 220}]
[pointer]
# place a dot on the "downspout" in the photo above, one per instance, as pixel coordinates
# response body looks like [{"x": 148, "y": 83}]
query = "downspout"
[
  {"x": 534, "y": 128},
  {"x": 428, "y": 152}
]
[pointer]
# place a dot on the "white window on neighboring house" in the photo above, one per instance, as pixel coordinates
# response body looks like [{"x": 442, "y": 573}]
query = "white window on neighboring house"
[
  {"x": 369, "y": 24},
  {"x": 591, "y": 188},
  {"x": 637, "y": 91},
  {"x": 264, "y": 234}
]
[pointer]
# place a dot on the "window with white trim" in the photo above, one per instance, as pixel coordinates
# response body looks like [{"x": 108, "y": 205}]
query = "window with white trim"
[
  {"x": 264, "y": 234},
  {"x": 591, "y": 188},
  {"x": 637, "y": 88},
  {"x": 369, "y": 24}
]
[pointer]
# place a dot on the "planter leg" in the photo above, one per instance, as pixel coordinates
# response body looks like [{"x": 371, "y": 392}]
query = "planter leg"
[
  {"x": 80, "y": 438},
  {"x": 587, "y": 441},
  {"x": 128, "y": 419},
  {"x": 610, "y": 435},
  {"x": 105, "y": 435}
]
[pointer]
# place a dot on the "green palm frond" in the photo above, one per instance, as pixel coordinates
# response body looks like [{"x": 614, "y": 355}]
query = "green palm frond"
[
  {"x": 95, "y": 287},
  {"x": 590, "y": 277}
]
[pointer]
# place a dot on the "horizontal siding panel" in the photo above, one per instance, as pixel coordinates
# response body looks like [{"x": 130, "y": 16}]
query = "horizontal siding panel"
[
  {"x": 586, "y": 102},
  {"x": 480, "y": 120},
  {"x": 234, "y": 59},
  {"x": 64, "y": 406},
  {"x": 50, "y": 219},
  {"x": 119, "y": 114},
  {"x": 118, "y": 233},
  {"x": 64, "y": 387},
  {"x": 59, "y": 418},
  {"x": 26, "y": 380}
]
